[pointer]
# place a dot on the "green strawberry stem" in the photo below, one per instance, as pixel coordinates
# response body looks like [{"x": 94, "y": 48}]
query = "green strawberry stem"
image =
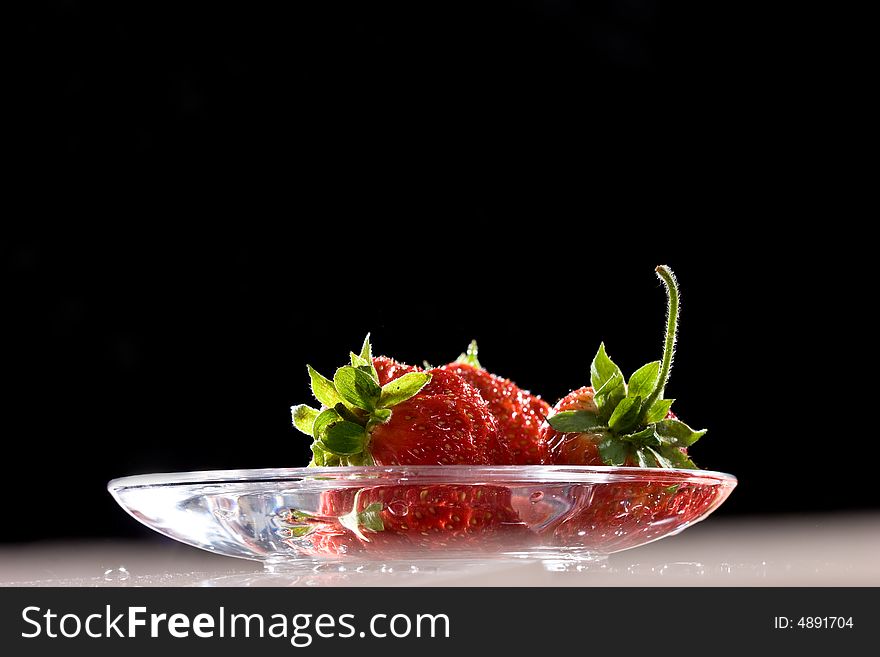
[
  {"x": 668, "y": 278},
  {"x": 631, "y": 423}
]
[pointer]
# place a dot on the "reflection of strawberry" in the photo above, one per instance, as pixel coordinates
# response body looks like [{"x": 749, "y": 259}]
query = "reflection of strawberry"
[
  {"x": 455, "y": 510},
  {"x": 325, "y": 540},
  {"x": 616, "y": 516},
  {"x": 519, "y": 413},
  {"x": 378, "y": 411},
  {"x": 437, "y": 516},
  {"x": 615, "y": 422},
  {"x": 407, "y": 520}
]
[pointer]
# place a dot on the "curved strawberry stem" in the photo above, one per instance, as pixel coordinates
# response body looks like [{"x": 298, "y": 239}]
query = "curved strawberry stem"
[
  {"x": 668, "y": 278},
  {"x": 631, "y": 420}
]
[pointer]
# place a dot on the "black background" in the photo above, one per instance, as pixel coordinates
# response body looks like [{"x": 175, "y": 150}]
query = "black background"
[{"x": 249, "y": 188}]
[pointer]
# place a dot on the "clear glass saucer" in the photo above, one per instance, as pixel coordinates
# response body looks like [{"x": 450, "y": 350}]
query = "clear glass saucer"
[{"x": 292, "y": 518}]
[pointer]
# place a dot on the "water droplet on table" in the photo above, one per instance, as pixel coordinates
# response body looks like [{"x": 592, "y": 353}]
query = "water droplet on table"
[{"x": 116, "y": 574}]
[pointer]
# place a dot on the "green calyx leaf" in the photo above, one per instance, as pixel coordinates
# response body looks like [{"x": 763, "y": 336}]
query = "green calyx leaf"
[
  {"x": 645, "y": 437},
  {"x": 469, "y": 357},
  {"x": 402, "y": 388},
  {"x": 344, "y": 438},
  {"x": 677, "y": 434},
  {"x": 322, "y": 458},
  {"x": 651, "y": 457},
  {"x": 304, "y": 418},
  {"x": 365, "y": 359},
  {"x": 357, "y": 387},
  {"x": 645, "y": 458},
  {"x": 613, "y": 451},
  {"x": 322, "y": 423},
  {"x": 575, "y": 421},
  {"x": 323, "y": 389},
  {"x": 336, "y": 439},
  {"x": 609, "y": 395},
  {"x": 650, "y": 447},
  {"x": 608, "y": 383},
  {"x": 626, "y": 414},
  {"x": 354, "y": 403},
  {"x": 367, "y": 350},
  {"x": 659, "y": 410},
  {"x": 603, "y": 369},
  {"x": 642, "y": 382},
  {"x": 662, "y": 460},
  {"x": 675, "y": 458},
  {"x": 347, "y": 413}
]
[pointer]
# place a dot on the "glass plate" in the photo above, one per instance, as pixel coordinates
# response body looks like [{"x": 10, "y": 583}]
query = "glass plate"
[{"x": 308, "y": 517}]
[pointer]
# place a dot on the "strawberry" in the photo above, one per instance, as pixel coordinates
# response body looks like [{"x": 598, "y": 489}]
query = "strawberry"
[
  {"x": 574, "y": 448},
  {"x": 447, "y": 423},
  {"x": 402, "y": 416},
  {"x": 388, "y": 369},
  {"x": 519, "y": 413},
  {"x": 579, "y": 448},
  {"x": 402, "y": 517},
  {"x": 615, "y": 422}
]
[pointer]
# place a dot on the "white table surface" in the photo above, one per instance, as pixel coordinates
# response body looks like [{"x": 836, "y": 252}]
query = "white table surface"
[{"x": 820, "y": 550}]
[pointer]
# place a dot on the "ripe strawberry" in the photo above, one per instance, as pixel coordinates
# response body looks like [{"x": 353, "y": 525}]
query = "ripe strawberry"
[
  {"x": 519, "y": 413},
  {"x": 574, "y": 448},
  {"x": 388, "y": 369},
  {"x": 414, "y": 418},
  {"x": 447, "y": 423},
  {"x": 403, "y": 517},
  {"x": 579, "y": 448},
  {"x": 614, "y": 422}
]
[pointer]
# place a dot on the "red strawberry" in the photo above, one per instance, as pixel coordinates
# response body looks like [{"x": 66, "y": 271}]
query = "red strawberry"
[
  {"x": 519, "y": 413},
  {"x": 579, "y": 448},
  {"x": 402, "y": 416},
  {"x": 617, "y": 423},
  {"x": 404, "y": 517},
  {"x": 447, "y": 423},
  {"x": 389, "y": 369},
  {"x": 574, "y": 448}
]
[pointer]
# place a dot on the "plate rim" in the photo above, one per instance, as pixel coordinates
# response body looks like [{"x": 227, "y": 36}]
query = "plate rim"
[{"x": 355, "y": 473}]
